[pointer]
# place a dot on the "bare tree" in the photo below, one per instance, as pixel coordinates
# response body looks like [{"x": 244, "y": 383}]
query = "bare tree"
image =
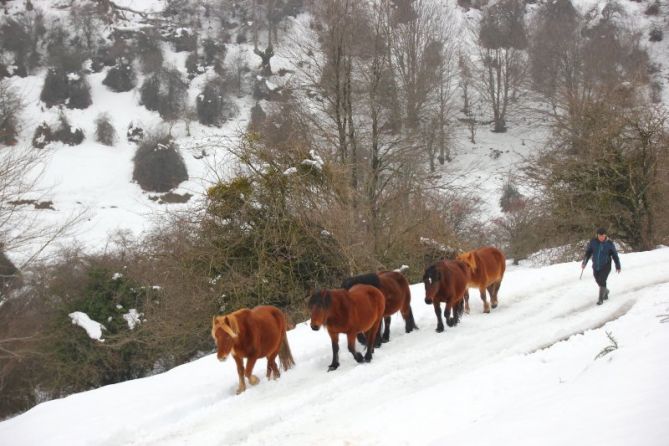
[
  {"x": 576, "y": 60},
  {"x": 501, "y": 44},
  {"x": 418, "y": 44}
]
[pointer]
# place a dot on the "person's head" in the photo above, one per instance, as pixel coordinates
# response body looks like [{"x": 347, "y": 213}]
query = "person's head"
[{"x": 601, "y": 234}]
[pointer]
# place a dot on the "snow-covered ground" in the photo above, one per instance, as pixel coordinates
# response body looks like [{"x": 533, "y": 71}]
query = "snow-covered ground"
[{"x": 525, "y": 374}]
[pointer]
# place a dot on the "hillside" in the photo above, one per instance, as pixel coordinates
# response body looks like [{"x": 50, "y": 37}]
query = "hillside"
[
  {"x": 165, "y": 160},
  {"x": 527, "y": 373},
  {"x": 94, "y": 181}
]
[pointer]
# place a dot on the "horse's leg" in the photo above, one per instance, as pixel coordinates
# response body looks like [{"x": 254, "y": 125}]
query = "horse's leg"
[
  {"x": 437, "y": 311},
  {"x": 351, "y": 345},
  {"x": 362, "y": 339},
  {"x": 457, "y": 312},
  {"x": 334, "y": 337},
  {"x": 250, "y": 363},
  {"x": 386, "y": 331},
  {"x": 486, "y": 305},
  {"x": 240, "y": 372},
  {"x": 466, "y": 301},
  {"x": 450, "y": 320},
  {"x": 409, "y": 321},
  {"x": 493, "y": 296},
  {"x": 272, "y": 368},
  {"x": 374, "y": 331}
]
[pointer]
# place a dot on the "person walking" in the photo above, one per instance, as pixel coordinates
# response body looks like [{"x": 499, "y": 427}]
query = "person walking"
[{"x": 602, "y": 250}]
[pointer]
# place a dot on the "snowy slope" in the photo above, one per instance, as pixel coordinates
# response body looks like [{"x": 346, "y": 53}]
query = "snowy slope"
[{"x": 524, "y": 374}]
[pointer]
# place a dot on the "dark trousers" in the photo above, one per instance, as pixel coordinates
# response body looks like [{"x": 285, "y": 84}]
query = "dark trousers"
[{"x": 601, "y": 276}]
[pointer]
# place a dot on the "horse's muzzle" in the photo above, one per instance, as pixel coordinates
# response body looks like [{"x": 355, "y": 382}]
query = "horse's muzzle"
[{"x": 315, "y": 327}]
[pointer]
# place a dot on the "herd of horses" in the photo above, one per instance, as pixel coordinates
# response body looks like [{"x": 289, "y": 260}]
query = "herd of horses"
[{"x": 361, "y": 309}]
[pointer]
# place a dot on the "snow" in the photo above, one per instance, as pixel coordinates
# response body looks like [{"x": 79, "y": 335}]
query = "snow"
[
  {"x": 525, "y": 374},
  {"x": 133, "y": 318},
  {"x": 93, "y": 328}
]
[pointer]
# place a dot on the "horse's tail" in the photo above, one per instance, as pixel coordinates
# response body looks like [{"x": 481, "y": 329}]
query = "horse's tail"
[{"x": 285, "y": 356}]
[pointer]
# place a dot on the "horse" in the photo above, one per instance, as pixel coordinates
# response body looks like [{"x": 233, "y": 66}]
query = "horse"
[
  {"x": 446, "y": 281},
  {"x": 252, "y": 334},
  {"x": 486, "y": 270},
  {"x": 395, "y": 289},
  {"x": 357, "y": 310}
]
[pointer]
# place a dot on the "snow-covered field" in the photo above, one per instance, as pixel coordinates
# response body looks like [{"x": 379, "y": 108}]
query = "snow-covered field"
[{"x": 525, "y": 374}]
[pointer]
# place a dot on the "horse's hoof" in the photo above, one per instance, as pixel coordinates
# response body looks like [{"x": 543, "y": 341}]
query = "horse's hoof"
[
  {"x": 368, "y": 358},
  {"x": 333, "y": 367},
  {"x": 253, "y": 380},
  {"x": 440, "y": 329},
  {"x": 494, "y": 305},
  {"x": 240, "y": 390},
  {"x": 358, "y": 356}
]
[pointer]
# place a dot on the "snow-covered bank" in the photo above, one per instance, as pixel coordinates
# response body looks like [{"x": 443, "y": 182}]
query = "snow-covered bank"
[{"x": 524, "y": 374}]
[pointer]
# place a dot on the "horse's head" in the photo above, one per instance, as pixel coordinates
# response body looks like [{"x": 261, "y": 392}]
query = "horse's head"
[
  {"x": 431, "y": 280},
  {"x": 319, "y": 306},
  {"x": 224, "y": 330},
  {"x": 468, "y": 259}
]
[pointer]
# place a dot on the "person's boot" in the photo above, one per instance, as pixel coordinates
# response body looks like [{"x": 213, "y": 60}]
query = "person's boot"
[{"x": 602, "y": 293}]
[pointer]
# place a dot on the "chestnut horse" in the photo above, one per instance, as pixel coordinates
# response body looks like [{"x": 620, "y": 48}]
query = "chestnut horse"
[
  {"x": 395, "y": 289},
  {"x": 358, "y": 310},
  {"x": 446, "y": 281},
  {"x": 486, "y": 268},
  {"x": 253, "y": 334}
]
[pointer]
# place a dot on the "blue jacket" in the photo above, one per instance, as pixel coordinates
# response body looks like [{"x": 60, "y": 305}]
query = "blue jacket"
[{"x": 601, "y": 253}]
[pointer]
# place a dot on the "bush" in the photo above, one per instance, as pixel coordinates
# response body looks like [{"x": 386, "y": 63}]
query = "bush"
[
  {"x": 193, "y": 66},
  {"x": 165, "y": 92},
  {"x": 655, "y": 35},
  {"x": 69, "y": 89},
  {"x": 149, "y": 93},
  {"x": 511, "y": 199},
  {"x": 159, "y": 166},
  {"x": 210, "y": 103},
  {"x": 258, "y": 117},
  {"x": 67, "y": 134},
  {"x": 121, "y": 77},
  {"x": 78, "y": 91},
  {"x": 104, "y": 130},
  {"x": 183, "y": 40},
  {"x": 653, "y": 9},
  {"x": 150, "y": 51},
  {"x": 135, "y": 133},
  {"x": 54, "y": 91},
  {"x": 10, "y": 108},
  {"x": 42, "y": 136},
  {"x": 10, "y": 275}
]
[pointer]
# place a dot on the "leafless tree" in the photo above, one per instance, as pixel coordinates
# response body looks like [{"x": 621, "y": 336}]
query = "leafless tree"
[{"x": 501, "y": 67}]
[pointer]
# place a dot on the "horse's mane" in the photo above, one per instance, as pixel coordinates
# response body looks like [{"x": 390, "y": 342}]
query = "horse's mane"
[
  {"x": 320, "y": 298},
  {"x": 430, "y": 272},
  {"x": 363, "y": 279},
  {"x": 469, "y": 259}
]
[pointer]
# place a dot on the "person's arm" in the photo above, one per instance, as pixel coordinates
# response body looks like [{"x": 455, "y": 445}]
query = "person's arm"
[
  {"x": 588, "y": 254},
  {"x": 614, "y": 255}
]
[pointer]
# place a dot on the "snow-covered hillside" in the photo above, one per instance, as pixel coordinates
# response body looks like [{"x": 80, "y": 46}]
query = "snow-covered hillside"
[
  {"x": 525, "y": 374},
  {"x": 97, "y": 180}
]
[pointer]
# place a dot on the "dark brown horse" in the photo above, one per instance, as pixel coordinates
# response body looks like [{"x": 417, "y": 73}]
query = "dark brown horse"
[
  {"x": 358, "y": 310},
  {"x": 486, "y": 270},
  {"x": 446, "y": 281},
  {"x": 395, "y": 289},
  {"x": 253, "y": 334}
]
